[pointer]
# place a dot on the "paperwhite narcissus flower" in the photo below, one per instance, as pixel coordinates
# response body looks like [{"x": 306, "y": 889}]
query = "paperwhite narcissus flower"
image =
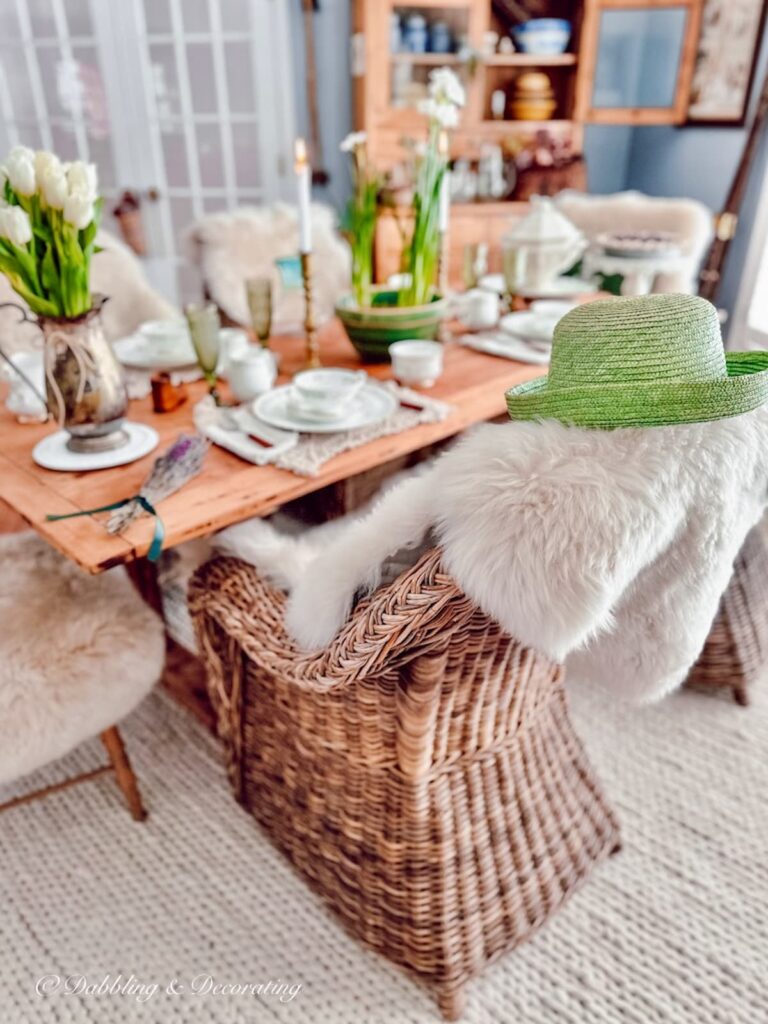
[
  {"x": 82, "y": 179},
  {"x": 78, "y": 210},
  {"x": 352, "y": 141},
  {"x": 20, "y": 168},
  {"x": 446, "y": 114},
  {"x": 445, "y": 87},
  {"x": 15, "y": 226},
  {"x": 54, "y": 186}
]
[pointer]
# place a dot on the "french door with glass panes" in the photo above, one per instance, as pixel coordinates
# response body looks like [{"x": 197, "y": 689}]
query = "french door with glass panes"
[{"x": 186, "y": 103}]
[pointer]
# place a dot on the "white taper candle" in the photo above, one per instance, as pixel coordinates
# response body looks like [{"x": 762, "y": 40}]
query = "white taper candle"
[{"x": 303, "y": 189}]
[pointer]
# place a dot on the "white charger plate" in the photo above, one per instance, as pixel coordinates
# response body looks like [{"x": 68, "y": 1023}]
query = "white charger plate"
[
  {"x": 52, "y": 451},
  {"x": 560, "y": 288},
  {"x": 138, "y": 353},
  {"x": 529, "y": 325},
  {"x": 370, "y": 405}
]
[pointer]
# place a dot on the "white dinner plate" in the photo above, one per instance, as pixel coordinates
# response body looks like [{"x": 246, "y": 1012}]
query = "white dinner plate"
[
  {"x": 138, "y": 353},
  {"x": 370, "y": 405},
  {"x": 560, "y": 288},
  {"x": 529, "y": 325},
  {"x": 52, "y": 451}
]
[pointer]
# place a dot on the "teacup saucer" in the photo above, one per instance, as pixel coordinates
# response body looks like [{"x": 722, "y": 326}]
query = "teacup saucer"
[
  {"x": 370, "y": 405},
  {"x": 52, "y": 451}
]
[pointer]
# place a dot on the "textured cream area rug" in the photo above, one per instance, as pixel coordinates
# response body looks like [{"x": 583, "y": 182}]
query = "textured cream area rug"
[{"x": 673, "y": 930}]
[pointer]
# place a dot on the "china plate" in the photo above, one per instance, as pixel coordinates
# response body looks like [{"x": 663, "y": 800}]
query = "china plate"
[
  {"x": 52, "y": 451},
  {"x": 370, "y": 405},
  {"x": 560, "y": 288},
  {"x": 138, "y": 354},
  {"x": 529, "y": 325}
]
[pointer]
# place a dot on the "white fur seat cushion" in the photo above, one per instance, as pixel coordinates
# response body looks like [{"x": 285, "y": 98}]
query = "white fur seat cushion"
[{"x": 77, "y": 653}]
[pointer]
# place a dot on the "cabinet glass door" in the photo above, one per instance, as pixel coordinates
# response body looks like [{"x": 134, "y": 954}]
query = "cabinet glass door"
[{"x": 637, "y": 61}]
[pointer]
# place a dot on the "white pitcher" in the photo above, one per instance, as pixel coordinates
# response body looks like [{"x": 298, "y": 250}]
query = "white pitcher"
[{"x": 547, "y": 241}]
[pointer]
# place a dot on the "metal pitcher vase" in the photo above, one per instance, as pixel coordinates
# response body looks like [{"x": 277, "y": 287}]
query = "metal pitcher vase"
[{"x": 84, "y": 383}]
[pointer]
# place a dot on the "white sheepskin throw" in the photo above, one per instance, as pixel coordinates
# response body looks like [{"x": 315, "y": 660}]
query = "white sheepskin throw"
[
  {"x": 78, "y": 653},
  {"x": 117, "y": 273},
  {"x": 608, "y": 548},
  {"x": 229, "y": 248},
  {"x": 689, "y": 219}
]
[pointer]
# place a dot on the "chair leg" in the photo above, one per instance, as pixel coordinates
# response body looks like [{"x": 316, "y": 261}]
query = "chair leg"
[
  {"x": 451, "y": 1001},
  {"x": 741, "y": 696},
  {"x": 126, "y": 780}
]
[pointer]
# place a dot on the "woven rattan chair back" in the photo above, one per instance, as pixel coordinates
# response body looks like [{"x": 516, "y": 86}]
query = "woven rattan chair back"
[
  {"x": 421, "y": 773},
  {"x": 735, "y": 655}
]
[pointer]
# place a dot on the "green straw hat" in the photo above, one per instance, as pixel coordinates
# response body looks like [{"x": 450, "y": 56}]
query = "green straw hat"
[{"x": 645, "y": 361}]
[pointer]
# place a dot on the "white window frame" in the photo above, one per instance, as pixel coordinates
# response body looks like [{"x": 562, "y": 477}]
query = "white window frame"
[{"x": 742, "y": 333}]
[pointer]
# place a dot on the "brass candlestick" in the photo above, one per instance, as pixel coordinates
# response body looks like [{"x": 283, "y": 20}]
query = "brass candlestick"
[{"x": 313, "y": 348}]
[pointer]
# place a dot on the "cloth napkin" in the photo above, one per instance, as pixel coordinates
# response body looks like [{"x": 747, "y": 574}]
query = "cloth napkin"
[
  {"x": 500, "y": 343},
  {"x": 306, "y": 454}
]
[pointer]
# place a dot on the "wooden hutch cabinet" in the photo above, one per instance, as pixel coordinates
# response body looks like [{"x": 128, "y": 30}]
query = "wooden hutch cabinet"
[{"x": 627, "y": 62}]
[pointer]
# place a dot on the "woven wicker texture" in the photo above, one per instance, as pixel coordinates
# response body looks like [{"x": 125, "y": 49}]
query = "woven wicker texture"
[
  {"x": 422, "y": 773},
  {"x": 736, "y": 652},
  {"x": 645, "y": 360}
]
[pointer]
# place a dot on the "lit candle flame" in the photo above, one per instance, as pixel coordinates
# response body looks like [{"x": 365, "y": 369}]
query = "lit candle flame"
[{"x": 300, "y": 155}]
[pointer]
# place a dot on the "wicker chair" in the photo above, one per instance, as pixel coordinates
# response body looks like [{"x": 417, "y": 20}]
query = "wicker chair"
[
  {"x": 735, "y": 654},
  {"x": 422, "y": 772}
]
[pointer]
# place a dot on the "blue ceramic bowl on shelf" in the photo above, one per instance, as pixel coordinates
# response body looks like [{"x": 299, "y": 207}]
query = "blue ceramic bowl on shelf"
[{"x": 542, "y": 36}]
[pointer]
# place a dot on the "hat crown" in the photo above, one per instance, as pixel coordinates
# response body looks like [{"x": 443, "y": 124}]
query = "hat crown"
[{"x": 645, "y": 338}]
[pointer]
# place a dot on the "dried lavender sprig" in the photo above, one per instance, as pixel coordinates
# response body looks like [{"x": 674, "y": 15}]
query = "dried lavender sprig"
[{"x": 174, "y": 468}]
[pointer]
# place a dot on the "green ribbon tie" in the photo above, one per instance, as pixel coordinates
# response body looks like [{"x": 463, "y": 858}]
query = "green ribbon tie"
[{"x": 159, "y": 533}]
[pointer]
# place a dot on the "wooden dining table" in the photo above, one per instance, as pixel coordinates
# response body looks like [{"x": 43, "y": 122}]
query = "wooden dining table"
[{"x": 228, "y": 489}]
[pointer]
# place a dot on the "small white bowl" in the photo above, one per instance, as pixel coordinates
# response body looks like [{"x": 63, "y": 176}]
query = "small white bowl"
[
  {"x": 552, "y": 308},
  {"x": 323, "y": 394},
  {"x": 166, "y": 336},
  {"x": 417, "y": 363},
  {"x": 251, "y": 372}
]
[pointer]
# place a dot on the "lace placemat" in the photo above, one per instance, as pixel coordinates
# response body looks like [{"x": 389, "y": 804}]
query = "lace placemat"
[{"x": 306, "y": 454}]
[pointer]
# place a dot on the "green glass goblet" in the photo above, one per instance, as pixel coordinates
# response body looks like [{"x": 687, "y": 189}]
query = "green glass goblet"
[
  {"x": 204, "y": 327},
  {"x": 258, "y": 291}
]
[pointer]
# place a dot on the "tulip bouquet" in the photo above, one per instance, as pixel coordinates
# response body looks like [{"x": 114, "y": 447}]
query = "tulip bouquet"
[
  {"x": 360, "y": 216},
  {"x": 49, "y": 215},
  {"x": 442, "y": 106}
]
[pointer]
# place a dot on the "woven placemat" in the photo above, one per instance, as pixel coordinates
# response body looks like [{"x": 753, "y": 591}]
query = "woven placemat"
[{"x": 310, "y": 452}]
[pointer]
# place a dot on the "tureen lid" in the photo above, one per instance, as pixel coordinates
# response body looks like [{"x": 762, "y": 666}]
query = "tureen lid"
[{"x": 543, "y": 223}]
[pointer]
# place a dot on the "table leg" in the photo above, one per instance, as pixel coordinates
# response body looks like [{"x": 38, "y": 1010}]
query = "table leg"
[{"x": 143, "y": 574}]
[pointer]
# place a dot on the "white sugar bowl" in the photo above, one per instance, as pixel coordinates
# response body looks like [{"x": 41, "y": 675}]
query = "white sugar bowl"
[
  {"x": 251, "y": 372},
  {"x": 417, "y": 363}
]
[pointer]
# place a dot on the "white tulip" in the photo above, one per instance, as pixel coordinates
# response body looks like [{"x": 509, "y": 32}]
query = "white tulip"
[
  {"x": 46, "y": 161},
  {"x": 82, "y": 179},
  {"x": 15, "y": 226},
  {"x": 20, "y": 167},
  {"x": 78, "y": 210},
  {"x": 54, "y": 186}
]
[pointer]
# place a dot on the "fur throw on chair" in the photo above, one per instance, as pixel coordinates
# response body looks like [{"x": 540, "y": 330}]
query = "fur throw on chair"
[
  {"x": 609, "y": 548},
  {"x": 229, "y": 248},
  {"x": 688, "y": 219}
]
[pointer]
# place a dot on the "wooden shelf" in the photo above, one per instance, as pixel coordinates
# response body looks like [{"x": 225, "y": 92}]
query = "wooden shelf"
[
  {"x": 540, "y": 60},
  {"x": 427, "y": 59}
]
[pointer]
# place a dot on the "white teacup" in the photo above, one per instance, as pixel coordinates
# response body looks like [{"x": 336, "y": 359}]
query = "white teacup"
[
  {"x": 167, "y": 337},
  {"x": 417, "y": 363},
  {"x": 479, "y": 309},
  {"x": 233, "y": 342},
  {"x": 326, "y": 393},
  {"x": 251, "y": 372}
]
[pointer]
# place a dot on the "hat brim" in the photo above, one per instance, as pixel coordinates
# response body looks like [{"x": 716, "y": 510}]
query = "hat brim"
[{"x": 653, "y": 403}]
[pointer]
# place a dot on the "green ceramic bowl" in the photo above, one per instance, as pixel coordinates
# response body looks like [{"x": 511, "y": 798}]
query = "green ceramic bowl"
[{"x": 372, "y": 329}]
